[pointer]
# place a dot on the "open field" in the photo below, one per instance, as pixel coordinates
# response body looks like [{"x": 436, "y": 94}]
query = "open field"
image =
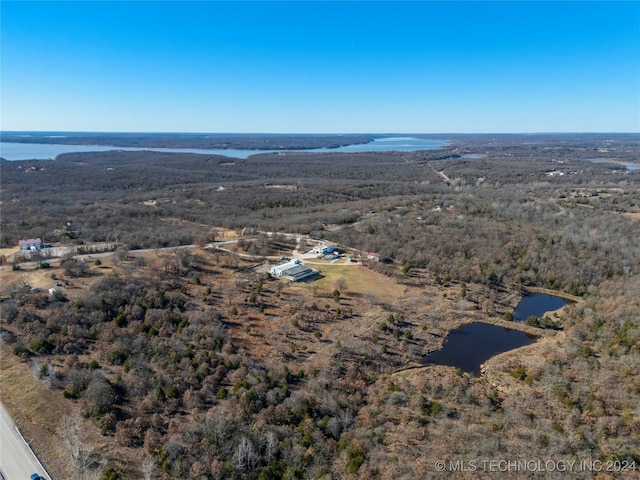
[
  {"x": 9, "y": 251},
  {"x": 356, "y": 279}
]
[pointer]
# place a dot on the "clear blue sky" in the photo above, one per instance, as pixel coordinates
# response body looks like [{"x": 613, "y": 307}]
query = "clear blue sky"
[{"x": 326, "y": 67}]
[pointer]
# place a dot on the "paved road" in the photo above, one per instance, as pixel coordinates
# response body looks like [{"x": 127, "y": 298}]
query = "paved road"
[{"x": 17, "y": 462}]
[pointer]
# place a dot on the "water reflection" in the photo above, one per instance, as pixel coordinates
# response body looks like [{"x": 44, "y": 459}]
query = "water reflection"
[
  {"x": 468, "y": 347},
  {"x": 536, "y": 304}
]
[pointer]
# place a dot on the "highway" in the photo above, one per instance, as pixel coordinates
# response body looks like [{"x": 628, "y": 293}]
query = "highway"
[{"x": 17, "y": 462}]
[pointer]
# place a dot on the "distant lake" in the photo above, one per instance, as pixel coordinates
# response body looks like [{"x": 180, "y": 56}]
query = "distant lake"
[
  {"x": 397, "y": 144},
  {"x": 468, "y": 347},
  {"x": 40, "y": 151}
]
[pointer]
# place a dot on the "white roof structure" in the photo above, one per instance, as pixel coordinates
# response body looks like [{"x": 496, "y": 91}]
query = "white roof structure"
[{"x": 292, "y": 270}]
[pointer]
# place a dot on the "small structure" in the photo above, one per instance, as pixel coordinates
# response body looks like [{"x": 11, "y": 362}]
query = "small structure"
[
  {"x": 292, "y": 270},
  {"x": 374, "y": 257},
  {"x": 32, "y": 244},
  {"x": 324, "y": 249}
]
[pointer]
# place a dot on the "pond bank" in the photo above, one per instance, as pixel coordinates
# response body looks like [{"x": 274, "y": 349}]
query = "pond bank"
[
  {"x": 495, "y": 370},
  {"x": 470, "y": 326},
  {"x": 469, "y": 346},
  {"x": 554, "y": 293},
  {"x": 521, "y": 326}
]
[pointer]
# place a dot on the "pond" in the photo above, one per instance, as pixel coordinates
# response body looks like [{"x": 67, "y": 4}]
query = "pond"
[
  {"x": 468, "y": 347},
  {"x": 536, "y": 304}
]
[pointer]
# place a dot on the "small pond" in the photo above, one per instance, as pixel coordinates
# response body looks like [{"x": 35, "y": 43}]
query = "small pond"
[
  {"x": 536, "y": 304},
  {"x": 473, "y": 344}
]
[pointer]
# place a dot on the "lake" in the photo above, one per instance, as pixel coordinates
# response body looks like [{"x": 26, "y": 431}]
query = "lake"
[
  {"x": 389, "y": 144},
  {"x": 39, "y": 151},
  {"x": 536, "y": 304},
  {"x": 468, "y": 347}
]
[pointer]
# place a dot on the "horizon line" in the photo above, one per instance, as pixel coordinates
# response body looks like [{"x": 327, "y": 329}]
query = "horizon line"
[{"x": 131, "y": 132}]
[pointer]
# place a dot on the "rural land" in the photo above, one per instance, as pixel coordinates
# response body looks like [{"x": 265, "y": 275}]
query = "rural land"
[{"x": 146, "y": 331}]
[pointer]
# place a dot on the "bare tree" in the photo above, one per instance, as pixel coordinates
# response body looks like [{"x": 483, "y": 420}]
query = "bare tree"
[
  {"x": 201, "y": 241},
  {"x": 302, "y": 244},
  {"x": 149, "y": 470},
  {"x": 271, "y": 446},
  {"x": 245, "y": 458},
  {"x": 81, "y": 453},
  {"x": 346, "y": 417},
  {"x": 46, "y": 372}
]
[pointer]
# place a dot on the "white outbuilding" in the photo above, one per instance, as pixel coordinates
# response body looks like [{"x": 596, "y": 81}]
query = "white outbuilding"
[{"x": 292, "y": 270}]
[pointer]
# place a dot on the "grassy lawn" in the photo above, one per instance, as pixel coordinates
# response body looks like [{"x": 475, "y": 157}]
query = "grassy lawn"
[{"x": 358, "y": 280}]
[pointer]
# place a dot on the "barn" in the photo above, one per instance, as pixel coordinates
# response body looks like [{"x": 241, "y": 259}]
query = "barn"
[{"x": 292, "y": 270}]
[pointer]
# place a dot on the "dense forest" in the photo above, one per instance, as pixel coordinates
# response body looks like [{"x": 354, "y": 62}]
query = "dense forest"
[
  {"x": 193, "y": 363},
  {"x": 549, "y": 214},
  {"x": 188, "y": 140}
]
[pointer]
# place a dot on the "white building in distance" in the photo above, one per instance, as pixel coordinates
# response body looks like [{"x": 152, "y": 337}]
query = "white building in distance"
[{"x": 292, "y": 270}]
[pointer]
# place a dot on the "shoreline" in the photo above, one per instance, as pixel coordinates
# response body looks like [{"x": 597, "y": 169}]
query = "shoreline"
[{"x": 50, "y": 150}]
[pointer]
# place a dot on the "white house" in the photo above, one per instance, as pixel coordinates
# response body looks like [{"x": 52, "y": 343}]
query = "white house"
[
  {"x": 324, "y": 249},
  {"x": 33, "y": 244}
]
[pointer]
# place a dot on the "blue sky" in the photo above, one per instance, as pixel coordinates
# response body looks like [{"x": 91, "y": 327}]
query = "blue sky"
[{"x": 325, "y": 67}]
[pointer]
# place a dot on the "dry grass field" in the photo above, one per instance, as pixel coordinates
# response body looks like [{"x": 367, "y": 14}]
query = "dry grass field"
[
  {"x": 356, "y": 279},
  {"x": 35, "y": 408}
]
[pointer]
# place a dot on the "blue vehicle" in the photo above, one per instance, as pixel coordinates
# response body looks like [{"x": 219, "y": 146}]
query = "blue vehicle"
[{"x": 35, "y": 476}]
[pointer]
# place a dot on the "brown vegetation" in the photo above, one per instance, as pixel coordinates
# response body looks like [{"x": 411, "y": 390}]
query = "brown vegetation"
[{"x": 189, "y": 363}]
